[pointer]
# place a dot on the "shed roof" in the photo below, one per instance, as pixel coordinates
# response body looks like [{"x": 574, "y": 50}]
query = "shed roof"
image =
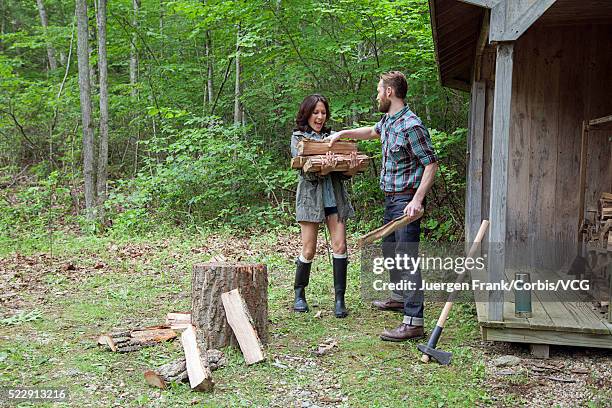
[{"x": 456, "y": 28}]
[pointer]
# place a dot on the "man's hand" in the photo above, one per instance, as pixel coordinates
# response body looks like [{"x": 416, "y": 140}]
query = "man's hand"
[
  {"x": 413, "y": 207},
  {"x": 331, "y": 139}
]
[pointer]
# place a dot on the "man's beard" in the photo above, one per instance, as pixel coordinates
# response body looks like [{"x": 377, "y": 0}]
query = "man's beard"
[{"x": 384, "y": 105}]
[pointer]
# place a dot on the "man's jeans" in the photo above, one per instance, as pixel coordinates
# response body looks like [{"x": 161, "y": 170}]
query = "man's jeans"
[{"x": 404, "y": 241}]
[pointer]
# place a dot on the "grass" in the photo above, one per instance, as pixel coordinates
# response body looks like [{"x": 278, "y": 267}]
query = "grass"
[{"x": 144, "y": 278}]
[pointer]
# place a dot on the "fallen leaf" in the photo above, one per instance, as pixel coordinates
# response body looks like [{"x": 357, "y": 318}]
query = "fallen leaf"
[{"x": 326, "y": 347}]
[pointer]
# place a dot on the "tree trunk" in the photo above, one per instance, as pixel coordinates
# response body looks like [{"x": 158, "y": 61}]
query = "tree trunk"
[
  {"x": 161, "y": 27},
  {"x": 209, "y": 63},
  {"x": 237, "y": 105},
  {"x": 85, "y": 99},
  {"x": 103, "y": 142},
  {"x": 133, "y": 51},
  {"x": 93, "y": 39},
  {"x": 208, "y": 282},
  {"x": 3, "y": 13},
  {"x": 45, "y": 24},
  {"x": 427, "y": 110}
]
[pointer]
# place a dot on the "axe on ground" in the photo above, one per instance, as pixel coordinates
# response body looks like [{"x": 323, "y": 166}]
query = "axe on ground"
[{"x": 429, "y": 350}]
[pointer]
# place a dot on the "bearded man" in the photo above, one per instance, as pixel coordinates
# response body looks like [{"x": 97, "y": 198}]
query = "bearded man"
[{"x": 409, "y": 166}]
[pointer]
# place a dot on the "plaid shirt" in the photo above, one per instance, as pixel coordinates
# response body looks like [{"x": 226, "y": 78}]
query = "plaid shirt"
[{"x": 406, "y": 150}]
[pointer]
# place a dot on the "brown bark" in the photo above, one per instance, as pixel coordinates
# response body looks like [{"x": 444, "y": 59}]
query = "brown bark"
[
  {"x": 209, "y": 71},
  {"x": 208, "y": 282},
  {"x": 85, "y": 99},
  {"x": 133, "y": 51},
  {"x": 103, "y": 141},
  {"x": 44, "y": 21},
  {"x": 238, "y": 113}
]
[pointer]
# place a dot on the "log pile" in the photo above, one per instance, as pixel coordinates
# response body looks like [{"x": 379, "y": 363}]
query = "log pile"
[
  {"x": 598, "y": 227},
  {"x": 229, "y": 308},
  {"x": 176, "y": 371},
  {"x": 315, "y": 156},
  {"x": 209, "y": 282},
  {"x": 605, "y": 206},
  {"x": 126, "y": 340}
]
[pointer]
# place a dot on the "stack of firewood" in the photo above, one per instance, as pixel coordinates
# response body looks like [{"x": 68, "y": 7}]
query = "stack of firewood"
[
  {"x": 598, "y": 231},
  {"x": 605, "y": 218},
  {"x": 221, "y": 316},
  {"x": 315, "y": 156}
]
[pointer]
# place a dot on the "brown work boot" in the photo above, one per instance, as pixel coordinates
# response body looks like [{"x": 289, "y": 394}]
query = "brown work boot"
[
  {"x": 389, "y": 305},
  {"x": 403, "y": 332}
]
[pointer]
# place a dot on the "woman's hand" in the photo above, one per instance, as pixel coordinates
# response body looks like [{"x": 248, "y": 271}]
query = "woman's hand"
[
  {"x": 353, "y": 165},
  {"x": 331, "y": 139}
]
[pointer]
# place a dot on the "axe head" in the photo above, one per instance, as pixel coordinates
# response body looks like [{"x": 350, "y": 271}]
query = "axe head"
[{"x": 442, "y": 357}]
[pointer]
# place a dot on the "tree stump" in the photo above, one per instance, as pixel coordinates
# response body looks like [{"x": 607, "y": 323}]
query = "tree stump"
[{"x": 208, "y": 282}]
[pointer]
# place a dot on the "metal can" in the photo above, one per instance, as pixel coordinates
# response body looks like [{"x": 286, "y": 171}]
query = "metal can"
[{"x": 522, "y": 296}]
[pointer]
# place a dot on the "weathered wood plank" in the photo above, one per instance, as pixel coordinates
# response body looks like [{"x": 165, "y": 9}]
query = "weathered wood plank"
[
  {"x": 600, "y": 121},
  {"x": 473, "y": 202},
  {"x": 540, "y": 350},
  {"x": 523, "y": 17},
  {"x": 482, "y": 3},
  {"x": 543, "y": 152},
  {"x": 519, "y": 200},
  {"x": 547, "y": 337},
  {"x": 499, "y": 174},
  {"x": 568, "y": 145}
]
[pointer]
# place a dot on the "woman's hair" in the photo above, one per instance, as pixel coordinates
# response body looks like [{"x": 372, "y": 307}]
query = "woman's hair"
[{"x": 306, "y": 108}]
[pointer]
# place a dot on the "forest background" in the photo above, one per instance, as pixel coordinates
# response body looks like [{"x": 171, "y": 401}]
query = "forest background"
[{"x": 192, "y": 105}]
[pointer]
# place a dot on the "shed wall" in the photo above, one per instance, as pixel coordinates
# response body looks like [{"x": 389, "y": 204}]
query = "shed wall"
[{"x": 562, "y": 75}]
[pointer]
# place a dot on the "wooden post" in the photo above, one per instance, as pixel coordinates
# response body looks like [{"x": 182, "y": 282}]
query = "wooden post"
[
  {"x": 208, "y": 282},
  {"x": 473, "y": 199},
  {"x": 584, "y": 148},
  {"x": 499, "y": 175}
]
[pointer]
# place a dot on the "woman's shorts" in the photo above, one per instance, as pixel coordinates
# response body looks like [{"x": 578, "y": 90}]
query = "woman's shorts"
[{"x": 330, "y": 211}]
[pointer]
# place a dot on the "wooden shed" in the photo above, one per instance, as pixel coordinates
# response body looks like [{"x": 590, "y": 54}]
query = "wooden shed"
[{"x": 539, "y": 72}]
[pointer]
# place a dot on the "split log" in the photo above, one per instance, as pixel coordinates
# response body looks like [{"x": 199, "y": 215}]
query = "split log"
[
  {"x": 240, "y": 320},
  {"x": 338, "y": 162},
  {"x": 309, "y": 147},
  {"x": 200, "y": 376},
  {"x": 178, "y": 321},
  {"x": 209, "y": 281},
  {"x": 298, "y": 162},
  {"x": 387, "y": 229},
  {"x": 124, "y": 341},
  {"x": 176, "y": 371}
]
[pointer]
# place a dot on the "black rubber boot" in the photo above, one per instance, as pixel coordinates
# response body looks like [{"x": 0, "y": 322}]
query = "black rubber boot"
[
  {"x": 340, "y": 265},
  {"x": 302, "y": 276}
]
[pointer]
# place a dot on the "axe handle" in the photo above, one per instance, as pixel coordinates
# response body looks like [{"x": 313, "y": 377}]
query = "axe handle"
[{"x": 435, "y": 335}]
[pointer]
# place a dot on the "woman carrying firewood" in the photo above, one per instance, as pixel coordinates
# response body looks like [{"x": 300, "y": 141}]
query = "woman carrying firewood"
[{"x": 319, "y": 198}]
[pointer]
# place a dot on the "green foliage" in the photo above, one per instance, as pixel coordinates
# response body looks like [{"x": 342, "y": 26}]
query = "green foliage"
[
  {"x": 205, "y": 173},
  {"x": 169, "y": 161},
  {"x": 35, "y": 209}
]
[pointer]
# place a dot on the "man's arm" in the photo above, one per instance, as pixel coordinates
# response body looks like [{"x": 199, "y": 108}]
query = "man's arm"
[
  {"x": 362, "y": 133},
  {"x": 429, "y": 175}
]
